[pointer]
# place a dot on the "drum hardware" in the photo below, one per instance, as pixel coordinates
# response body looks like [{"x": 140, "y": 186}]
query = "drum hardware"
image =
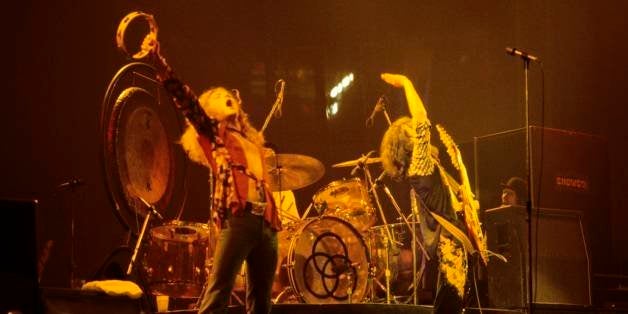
[
  {"x": 389, "y": 240},
  {"x": 353, "y": 163},
  {"x": 372, "y": 184},
  {"x": 285, "y": 292},
  {"x": 415, "y": 240},
  {"x": 286, "y": 206},
  {"x": 307, "y": 211},
  {"x": 347, "y": 199},
  {"x": 387, "y": 274},
  {"x": 151, "y": 211}
]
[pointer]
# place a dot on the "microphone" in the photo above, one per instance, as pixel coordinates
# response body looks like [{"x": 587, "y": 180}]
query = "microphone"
[
  {"x": 280, "y": 94},
  {"x": 71, "y": 184},
  {"x": 379, "y": 106},
  {"x": 524, "y": 55}
]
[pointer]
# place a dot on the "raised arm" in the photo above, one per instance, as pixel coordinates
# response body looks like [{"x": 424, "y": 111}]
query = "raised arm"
[
  {"x": 415, "y": 104},
  {"x": 420, "y": 163},
  {"x": 183, "y": 96}
]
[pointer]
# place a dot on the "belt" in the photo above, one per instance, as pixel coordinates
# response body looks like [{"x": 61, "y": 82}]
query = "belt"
[{"x": 256, "y": 208}]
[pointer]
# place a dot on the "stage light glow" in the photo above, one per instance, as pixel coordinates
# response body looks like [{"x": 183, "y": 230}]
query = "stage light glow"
[
  {"x": 339, "y": 88},
  {"x": 331, "y": 111},
  {"x": 334, "y": 92},
  {"x": 336, "y": 95}
]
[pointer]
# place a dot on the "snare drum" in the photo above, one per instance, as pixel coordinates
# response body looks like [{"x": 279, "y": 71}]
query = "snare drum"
[
  {"x": 174, "y": 261},
  {"x": 349, "y": 200},
  {"x": 328, "y": 262}
]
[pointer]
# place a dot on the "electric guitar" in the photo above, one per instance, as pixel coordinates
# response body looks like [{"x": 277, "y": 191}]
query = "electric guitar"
[{"x": 470, "y": 206}]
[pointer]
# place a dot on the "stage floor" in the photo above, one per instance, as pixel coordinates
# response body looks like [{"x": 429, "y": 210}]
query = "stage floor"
[{"x": 59, "y": 300}]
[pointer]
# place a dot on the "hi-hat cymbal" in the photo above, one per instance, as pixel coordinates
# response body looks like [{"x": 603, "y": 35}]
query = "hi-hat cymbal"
[
  {"x": 352, "y": 163},
  {"x": 292, "y": 171}
]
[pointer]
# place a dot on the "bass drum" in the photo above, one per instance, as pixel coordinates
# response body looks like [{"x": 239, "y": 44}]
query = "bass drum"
[
  {"x": 174, "y": 261},
  {"x": 328, "y": 262}
]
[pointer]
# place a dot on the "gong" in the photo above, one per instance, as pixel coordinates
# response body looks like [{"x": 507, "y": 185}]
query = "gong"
[{"x": 141, "y": 159}]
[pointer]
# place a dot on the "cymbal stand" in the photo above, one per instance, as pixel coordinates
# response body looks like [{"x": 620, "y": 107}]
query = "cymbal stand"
[
  {"x": 415, "y": 241},
  {"x": 389, "y": 239},
  {"x": 151, "y": 211},
  {"x": 307, "y": 211},
  {"x": 350, "y": 286}
]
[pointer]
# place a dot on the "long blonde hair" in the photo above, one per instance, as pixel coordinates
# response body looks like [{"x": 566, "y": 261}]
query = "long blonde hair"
[
  {"x": 189, "y": 139},
  {"x": 396, "y": 147}
]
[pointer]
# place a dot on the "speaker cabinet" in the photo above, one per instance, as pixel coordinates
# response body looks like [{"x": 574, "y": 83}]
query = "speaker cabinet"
[
  {"x": 560, "y": 269},
  {"x": 568, "y": 170},
  {"x": 18, "y": 265}
]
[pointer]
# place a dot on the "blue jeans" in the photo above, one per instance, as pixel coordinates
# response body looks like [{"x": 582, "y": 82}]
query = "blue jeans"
[{"x": 249, "y": 238}]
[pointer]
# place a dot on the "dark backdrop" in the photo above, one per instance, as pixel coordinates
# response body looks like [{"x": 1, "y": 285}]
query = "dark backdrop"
[{"x": 62, "y": 54}]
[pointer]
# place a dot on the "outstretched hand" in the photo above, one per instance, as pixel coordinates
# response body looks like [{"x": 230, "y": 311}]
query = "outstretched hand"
[
  {"x": 396, "y": 80},
  {"x": 151, "y": 45}
]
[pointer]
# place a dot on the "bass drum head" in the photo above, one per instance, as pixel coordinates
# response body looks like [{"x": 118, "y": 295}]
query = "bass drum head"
[{"x": 328, "y": 262}]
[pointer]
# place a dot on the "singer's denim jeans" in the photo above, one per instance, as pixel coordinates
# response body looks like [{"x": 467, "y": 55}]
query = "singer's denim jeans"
[{"x": 249, "y": 238}]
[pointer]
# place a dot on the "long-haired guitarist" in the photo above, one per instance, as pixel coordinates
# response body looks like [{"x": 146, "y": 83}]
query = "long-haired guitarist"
[{"x": 447, "y": 208}]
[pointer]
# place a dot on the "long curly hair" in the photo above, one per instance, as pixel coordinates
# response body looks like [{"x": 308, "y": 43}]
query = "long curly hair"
[
  {"x": 396, "y": 147},
  {"x": 189, "y": 139}
]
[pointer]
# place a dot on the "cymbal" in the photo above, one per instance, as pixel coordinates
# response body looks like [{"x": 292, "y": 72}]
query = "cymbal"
[
  {"x": 292, "y": 171},
  {"x": 352, "y": 163}
]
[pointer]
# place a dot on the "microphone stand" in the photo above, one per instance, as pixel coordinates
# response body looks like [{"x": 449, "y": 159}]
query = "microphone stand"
[
  {"x": 526, "y": 69},
  {"x": 276, "y": 106},
  {"x": 389, "y": 239},
  {"x": 528, "y": 165},
  {"x": 528, "y": 174},
  {"x": 71, "y": 186}
]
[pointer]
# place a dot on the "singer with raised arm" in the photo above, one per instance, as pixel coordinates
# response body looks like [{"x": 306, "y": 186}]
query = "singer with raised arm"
[
  {"x": 220, "y": 137},
  {"x": 446, "y": 207}
]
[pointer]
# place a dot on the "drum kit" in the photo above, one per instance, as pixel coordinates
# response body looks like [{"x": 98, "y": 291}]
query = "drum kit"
[{"x": 338, "y": 256}]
